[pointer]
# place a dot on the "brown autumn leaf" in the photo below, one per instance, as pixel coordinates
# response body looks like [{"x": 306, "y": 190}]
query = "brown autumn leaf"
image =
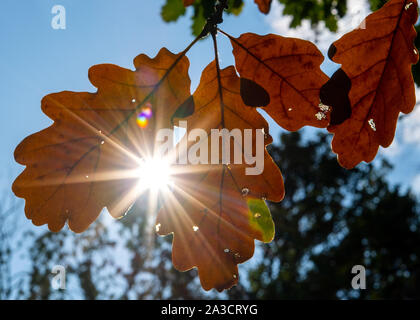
[
  {"x": 377, "y": 60},
  {"x": 216, "y": 211},
  {"x": 263, "y": 5},
  {"x": 289, "y": 70},
  {"x": 87, "y": 159},
  {"x": 188, "y": 2}
]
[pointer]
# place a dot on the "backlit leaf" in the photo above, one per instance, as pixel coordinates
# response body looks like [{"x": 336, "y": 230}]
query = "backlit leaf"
[
  {"x": 188, "y": 2},
  {"x": 378, "y": 60},
  {"x": 263, "y": 5},
  {"x": 288, "y": 69},
  {"x": 217, "y": 210},
  {"x": 87, "y": 159}
]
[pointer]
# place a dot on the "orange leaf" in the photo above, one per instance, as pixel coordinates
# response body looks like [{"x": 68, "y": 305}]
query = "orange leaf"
[
  {"x": 377, "y": 60},
  {"x": 263, "y": 5},
  {"x": 188, "y": 2},
  {"x": 87, "y": 159},
  {"x": 209, "y": 213},
  {"x": 289, "y": 70}
]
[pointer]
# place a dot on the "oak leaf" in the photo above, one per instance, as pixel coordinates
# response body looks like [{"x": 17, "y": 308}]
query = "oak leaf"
[
  {"x": 377, "y": 59},
  {"x": 216, "y": 211},
  {"x": 263, "y": 5},
  {"x": 289, "y": 70},
  {"x": 87, "y": 159},
  {"x": 188, "y": 2}
]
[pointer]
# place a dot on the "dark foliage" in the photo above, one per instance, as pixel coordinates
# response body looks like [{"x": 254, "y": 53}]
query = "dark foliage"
[
  {"x": 314, "y": 11},
  {"x": 330, "y": 220}
]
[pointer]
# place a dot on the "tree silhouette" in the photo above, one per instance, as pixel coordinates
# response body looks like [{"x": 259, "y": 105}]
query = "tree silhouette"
[
  {"x": 330, "y": 220},
  {"x": 124, "y": 260}
]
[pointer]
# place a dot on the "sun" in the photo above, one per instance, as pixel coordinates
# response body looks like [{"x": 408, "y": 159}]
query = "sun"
[{"x": 154, "y": 173}]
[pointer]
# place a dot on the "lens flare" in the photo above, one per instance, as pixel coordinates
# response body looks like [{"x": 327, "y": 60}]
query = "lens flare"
[
  {"x": 142, "y": 121},
  {"x": 154, "y": 173},
  {"x": 144, "y": 116},
  {"x": 147, "y": 112}
]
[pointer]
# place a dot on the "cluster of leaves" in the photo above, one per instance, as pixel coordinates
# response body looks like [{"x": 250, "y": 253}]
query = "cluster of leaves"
[
  {"x": 319, "y": 237},
  {"x": 316, "y": 12},
  {"x": 86, "y": 159},
  {"x": 374, "y": 83},
  {"x": 203, "y": 10}
]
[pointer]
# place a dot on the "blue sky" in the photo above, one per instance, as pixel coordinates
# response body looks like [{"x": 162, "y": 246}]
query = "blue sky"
[{"x": 36, "y": 60}]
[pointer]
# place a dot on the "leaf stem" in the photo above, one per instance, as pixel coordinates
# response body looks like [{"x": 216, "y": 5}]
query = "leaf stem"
[
  {"x": 225, "y": 33},
  {"x": 219, "y": 79},
  {"x": 214, "y": 19}
]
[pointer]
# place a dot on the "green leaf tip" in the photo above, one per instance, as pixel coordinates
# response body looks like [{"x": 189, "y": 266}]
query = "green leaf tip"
[{"x": 260, "y": 218}]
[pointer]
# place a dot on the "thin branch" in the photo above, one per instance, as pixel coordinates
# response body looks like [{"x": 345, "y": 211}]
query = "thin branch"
[{"x": 219, "y": 79}]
